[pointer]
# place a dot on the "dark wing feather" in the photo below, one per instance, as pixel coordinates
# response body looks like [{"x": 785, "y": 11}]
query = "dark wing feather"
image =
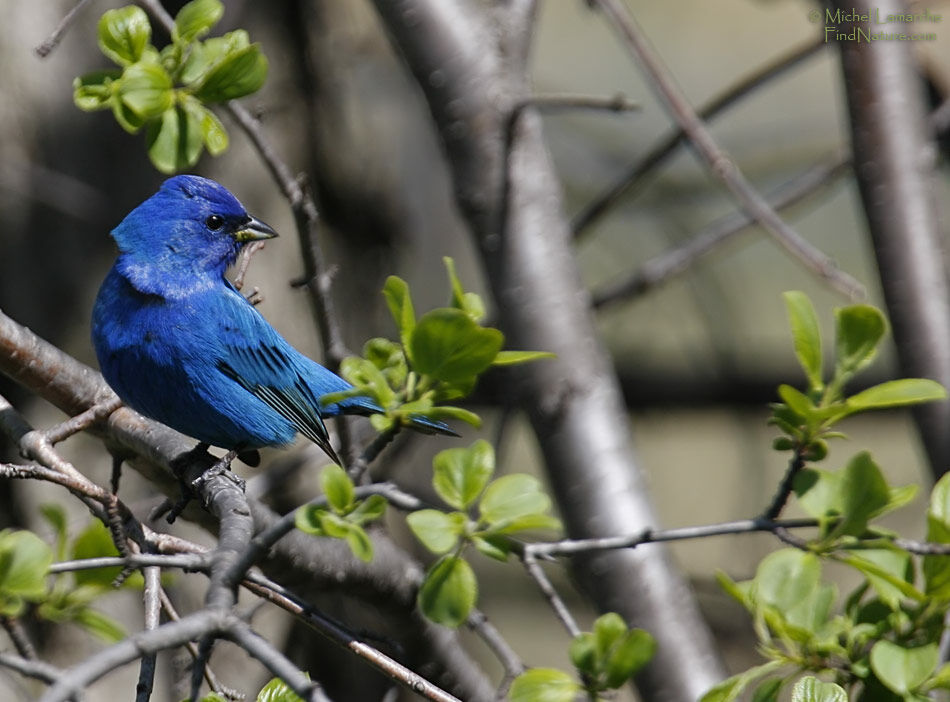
[{"x": 267, "y": 371}]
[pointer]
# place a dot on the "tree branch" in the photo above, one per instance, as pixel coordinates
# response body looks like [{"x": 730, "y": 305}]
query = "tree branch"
[{"x": 894, "y": 161}]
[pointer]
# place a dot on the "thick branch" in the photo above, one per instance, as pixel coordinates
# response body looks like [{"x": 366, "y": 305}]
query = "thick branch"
[
  {"x": 894, "y": 160},
  {"x": 473, "y": 81}
]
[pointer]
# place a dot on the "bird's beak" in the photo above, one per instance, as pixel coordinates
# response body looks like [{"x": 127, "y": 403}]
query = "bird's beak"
[{"x": 254, "y": 230}]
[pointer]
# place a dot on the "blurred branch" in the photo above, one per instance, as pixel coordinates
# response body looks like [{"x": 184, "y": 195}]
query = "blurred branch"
[
  {"x": 718, "y": 162},
  {"x": 569, "y": 101},
  {"x": 894, "y": 162},
  {"x": 52, "y": 41},
  {"x": 675, "y": 261},
  {"x": 39, "y": 670},
  {"x": 664, "y": 149}
]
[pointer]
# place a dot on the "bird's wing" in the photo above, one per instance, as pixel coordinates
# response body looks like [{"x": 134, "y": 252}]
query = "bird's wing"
[{"x": 256, "y": 357}]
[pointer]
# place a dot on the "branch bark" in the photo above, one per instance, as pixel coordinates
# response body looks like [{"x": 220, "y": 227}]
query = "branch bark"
[
  {"x": 472, "y": 70},
  {"x": 894, "y": 161}
]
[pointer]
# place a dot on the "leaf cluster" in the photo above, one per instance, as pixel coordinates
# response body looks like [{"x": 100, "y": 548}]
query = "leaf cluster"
[
  {"x": 806, "y": 419},
  {"x": 486, "y": 513},
  {"x": 880, "y": 642},
  {"x": 605, "y": 659},
  {"x": 439, "y": 357},
  {"x": 24, "y": 581},
  {"x": 167, "y": 91},
  {"x": 345, "y": 517}
]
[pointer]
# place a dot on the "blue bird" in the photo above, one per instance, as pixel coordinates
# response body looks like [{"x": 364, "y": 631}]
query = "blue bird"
[{"x": 178, "y": 343}]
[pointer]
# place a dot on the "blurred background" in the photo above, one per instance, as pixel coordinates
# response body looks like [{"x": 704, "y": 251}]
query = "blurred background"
[{"x": 699, "y": 356}]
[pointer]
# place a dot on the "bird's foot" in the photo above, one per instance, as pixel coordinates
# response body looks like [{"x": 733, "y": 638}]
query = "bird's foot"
[{"x": 192, "y": 488}]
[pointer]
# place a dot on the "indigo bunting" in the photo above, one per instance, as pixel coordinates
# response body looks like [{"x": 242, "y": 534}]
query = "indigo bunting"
[{"x": 178, "y": 342}]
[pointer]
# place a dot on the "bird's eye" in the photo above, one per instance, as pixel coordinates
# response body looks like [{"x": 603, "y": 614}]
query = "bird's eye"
[{"x": 214, "y": 222}]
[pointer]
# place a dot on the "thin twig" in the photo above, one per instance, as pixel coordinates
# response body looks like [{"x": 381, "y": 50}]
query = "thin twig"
[
  {"x": 570, "y": 547},
  {"x": 83, "y": 421},
  {"x": 718, "y": 162},
  {"x": 795, "y": 465},
  {"x": 52, "y": 41},
  {"x": 665, "y": 266},
  {"x": 506, "y": 655},
  {"x": 335, "y": 632},
  {"x": 552, "y": 102},
  {"x": 19, "y": 637},
  {"x": 40, "y": 670},
  {"x": 246, "y": 253},
  {"x": 153, "y": 606},
  {"x": 550, "y": 594},
  {"x": 216, "y": 686},
  {"x": 663, "y": 149}
]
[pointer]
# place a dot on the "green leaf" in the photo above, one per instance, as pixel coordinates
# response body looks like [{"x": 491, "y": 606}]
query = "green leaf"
[
  {"x": 860, "y": 329},
  {"x": 447, "y": 345},
  {"x": 448, "y": 592},
  {"x": 510, "y": 358},
  {"x": 806, "y": 335},
  {"x": 786, "y": 577},
  {"x": 240, "y": 73},
  {"x": 811, "y": 689},
  {"x": 890, "y": 573},
  {"x": 174, "y": 142},
  {"x": 359, "y": 542},
  {"x": 583, "y": 654},
  {"x": 396, "y": 292},
  {"x": 900, "y": 669},
  {"x": 277, "y": 691},
  {"x": 511, "y": 497},
  {"x": 146, "y": 89},
  {"x": 496, "y": 547},
  {"x": 628, "y": 655},
  {"x": 730, "y": 689},
  {"x": 196, "y": 19},
  {"x": 368, "y": 510},
  {"x": 213, "y": 134},
  {"x": 768, "y": 690},
  {"x": 124, "y": 33},
  {"x": 528, "y": 522},
  {"x": 367, "y": 378},
  {"x": 449, "y": 412},
  {"x": 337, "y": 487},
  {"x": 864, "y": 493},
  {"x": 936, "y": 569},
  {"x": 24, "y": 560},
  {"x": 439, "y": 532},
  {"x": 797, "y": 401},
  {"x": 99, "y": 624},
  {"x": 460, "y": 474},
  {"x": 94, "y": 91},
  {"x": 896, "y": 393},
  {"x": 544, "y": 685},
  {"x": 818, "y": 492},
  {"x": 55, "y": 515},
  {"x": 307, "y": 519},
  {"x": 95, "y": 541},
  {"x": 470, "y": 303}
]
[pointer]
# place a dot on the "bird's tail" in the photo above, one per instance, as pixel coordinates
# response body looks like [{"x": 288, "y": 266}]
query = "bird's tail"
[
  {"x": 365, "y": 406},
  {"x": 430, "y": 426}
]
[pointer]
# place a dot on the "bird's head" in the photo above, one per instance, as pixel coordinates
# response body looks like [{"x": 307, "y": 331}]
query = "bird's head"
[{"x": 192, "y": 227}]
